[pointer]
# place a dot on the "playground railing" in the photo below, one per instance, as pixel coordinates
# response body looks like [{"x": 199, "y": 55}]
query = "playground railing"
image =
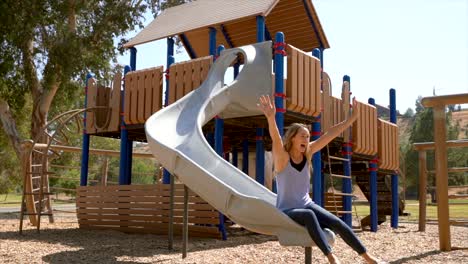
[
  {"x": 106, "y": 119},
  {"x": 388, "y": 146},
  {"x": 365, "y": 131},
  {"x": 143, "y": 94},
  {"x": 303, "y": 84},
  {"x": 186, "y": 76}
]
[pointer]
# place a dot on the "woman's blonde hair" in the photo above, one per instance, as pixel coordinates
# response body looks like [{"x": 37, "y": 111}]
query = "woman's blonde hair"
[{"x": 292, "y": 132}]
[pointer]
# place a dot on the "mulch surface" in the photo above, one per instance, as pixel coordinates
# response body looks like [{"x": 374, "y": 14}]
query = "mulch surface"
[{"x": 64, "y": 242}]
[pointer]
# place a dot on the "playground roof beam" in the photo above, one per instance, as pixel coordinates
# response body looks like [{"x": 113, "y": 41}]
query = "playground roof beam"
[{"x": 237, "y": 18}]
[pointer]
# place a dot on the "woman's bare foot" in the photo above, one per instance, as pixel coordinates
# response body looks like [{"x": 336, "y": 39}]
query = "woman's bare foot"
[
  {"x": 371, "y": 259},
  {"x": 333, "y": 259}
]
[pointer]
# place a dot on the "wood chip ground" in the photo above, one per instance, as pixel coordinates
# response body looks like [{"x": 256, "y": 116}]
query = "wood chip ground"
[{"x": 64, "y": 242}]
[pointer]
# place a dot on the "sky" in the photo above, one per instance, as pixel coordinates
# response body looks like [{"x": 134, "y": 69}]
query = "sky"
[{"x": 414, "y": 46}]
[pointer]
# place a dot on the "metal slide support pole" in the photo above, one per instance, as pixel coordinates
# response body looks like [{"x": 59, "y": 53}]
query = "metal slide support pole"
[
  {"x": 395, "y": 195},
  {"x": 170, "y": 61},
  {"x": 317, "y": 181},
  {"x": 308, "y": 255},
  {"x": 185, "y": 226},
  {"x": 347, "y": 188},
  {"x": 85, "y": 147},
  {"x": 171, "y": 213},
  {"x": 373, "y": 168}
]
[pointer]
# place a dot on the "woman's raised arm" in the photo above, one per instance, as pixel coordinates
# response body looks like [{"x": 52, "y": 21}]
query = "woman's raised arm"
[{"x": 280, "y": 157}]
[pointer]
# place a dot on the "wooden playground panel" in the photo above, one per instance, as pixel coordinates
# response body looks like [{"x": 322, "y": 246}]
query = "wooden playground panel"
[
  {"x": 143, "y": 209},
  {"x": 143, "y": 93}
]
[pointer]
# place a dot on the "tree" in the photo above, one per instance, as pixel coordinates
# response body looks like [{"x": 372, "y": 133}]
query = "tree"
[
  {"x": 47, "y": 47},
  {"x": 423, "y": 131},
  {"x": 408, "y": 113}
]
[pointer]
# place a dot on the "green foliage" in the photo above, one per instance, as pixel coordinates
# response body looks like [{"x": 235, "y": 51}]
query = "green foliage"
[
  {"x": 423, "y": 131},
  {"x": 44, "y": 43},
  {"x": 408, "y": 113}
]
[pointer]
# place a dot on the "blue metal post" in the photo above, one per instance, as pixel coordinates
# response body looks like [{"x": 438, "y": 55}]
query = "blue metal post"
[
  {"x": 347, "y": 186},
  {"x": 128, "y": 173},
  {"x": 218, "y": 140},
  {"x": 395, "y": 195},
  {"x": 260, "y": 157},
  {"x": 210, "y": 138},
  {"x": 279, "y": 81},
  {"x": 245, "y": 156},
  {"x": 212, "y": 41},
  {"x": 123, "y": 138},
  {"x": 236, "y": 69},
  {"x": 85, "y": 149},
  {"x": 279, "y": 86},
  {"x": 170, "y": 60},
  {"x": 219, "y": 122},
  {"x": 260, "y": 28},
  {"x": 235, "y": 157},
  {"x": 317, "y": 181},
  {"x": 373, "y": 168}
]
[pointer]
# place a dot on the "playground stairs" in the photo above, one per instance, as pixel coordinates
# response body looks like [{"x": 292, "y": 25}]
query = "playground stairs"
[{"x": 384, "y": 196}]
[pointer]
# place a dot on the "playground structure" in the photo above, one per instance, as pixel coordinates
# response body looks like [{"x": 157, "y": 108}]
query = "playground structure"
[
  {"x": 440, "y": 145},
  {"x": 368, "y": 151}
]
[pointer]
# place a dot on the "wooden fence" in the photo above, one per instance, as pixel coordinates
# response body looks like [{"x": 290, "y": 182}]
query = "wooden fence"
[{"x": 143, "y": 209}]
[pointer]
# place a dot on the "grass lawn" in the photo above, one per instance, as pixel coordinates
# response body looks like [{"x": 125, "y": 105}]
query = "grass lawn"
[
  {"x": 459, "y": 209},
  {"x": 14, "y": 200}
]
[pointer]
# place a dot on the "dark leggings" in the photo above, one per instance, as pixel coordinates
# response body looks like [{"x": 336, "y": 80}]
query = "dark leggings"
[{"x": 315, "y": 218}]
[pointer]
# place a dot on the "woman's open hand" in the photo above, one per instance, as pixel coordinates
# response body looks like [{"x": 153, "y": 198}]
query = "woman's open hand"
[
  {"x": 267, "y": 106},
  {"x": 356, "y": 108}
]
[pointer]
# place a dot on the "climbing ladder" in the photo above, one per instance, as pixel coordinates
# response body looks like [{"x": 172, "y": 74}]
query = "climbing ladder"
[
  {"x": 334, "y": 200},
  {"x": 36, "y": 196}
]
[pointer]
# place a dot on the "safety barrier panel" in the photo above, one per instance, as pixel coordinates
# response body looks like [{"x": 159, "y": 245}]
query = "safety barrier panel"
[
  {"x": 143, "y": 94},
  {"x": 303, "y": 92},
  {"x": 365, "y": 131},
  {"x": 106, "y": 104},
  {"x": 388, "y": 145},
  {"x": 186, "y": 76}
]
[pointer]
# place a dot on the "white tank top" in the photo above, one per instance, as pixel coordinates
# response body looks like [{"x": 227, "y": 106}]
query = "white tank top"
[{"x": 293, "y": 187}]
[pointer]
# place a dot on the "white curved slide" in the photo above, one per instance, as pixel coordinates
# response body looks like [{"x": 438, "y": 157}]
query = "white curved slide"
[{"x": 176, "y": 139}]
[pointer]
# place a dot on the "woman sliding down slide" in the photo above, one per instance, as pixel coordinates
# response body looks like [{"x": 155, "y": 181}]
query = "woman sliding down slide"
[{"x": 291, "y": 160}]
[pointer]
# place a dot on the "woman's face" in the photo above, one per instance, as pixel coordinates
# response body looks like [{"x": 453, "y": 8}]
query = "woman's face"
[{"x": 301, "y": 140}]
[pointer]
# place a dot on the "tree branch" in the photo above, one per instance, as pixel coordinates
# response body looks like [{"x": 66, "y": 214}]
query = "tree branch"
[
  {"x": 47, "y": 98},
  {"x": 71, "y": 16},
  {"x": 30, "y": 68},
  {"x": 9, "y": 126}
]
